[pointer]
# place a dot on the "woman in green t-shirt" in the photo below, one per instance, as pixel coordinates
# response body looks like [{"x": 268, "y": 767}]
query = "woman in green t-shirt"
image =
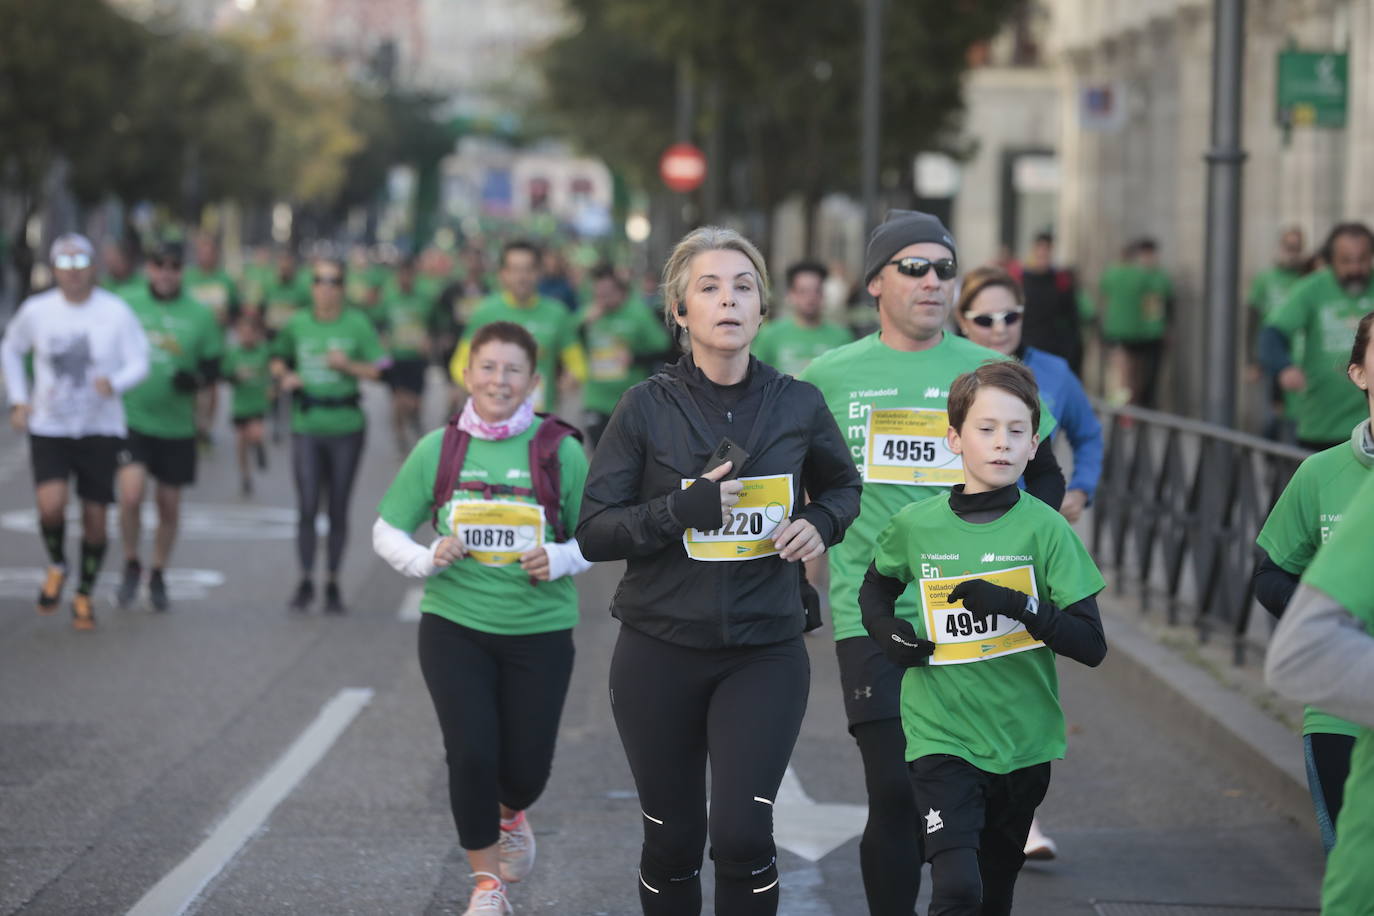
[
  {"x": 1311, "y": 506},
  {"x": 499, "y": 605},
  {"x": 318, "y": 358}
]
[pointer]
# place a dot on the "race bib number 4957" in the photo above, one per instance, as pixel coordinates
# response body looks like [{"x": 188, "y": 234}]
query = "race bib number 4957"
[
  {"x": 907, "y": 446},
  {"x": 497, "y": 532},
  {"x": 960, "y": 636},
  {"x": 764, "y": 505}
]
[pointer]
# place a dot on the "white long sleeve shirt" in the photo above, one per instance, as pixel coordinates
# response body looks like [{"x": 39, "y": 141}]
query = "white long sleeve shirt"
[{"x": 72, "y": 346}]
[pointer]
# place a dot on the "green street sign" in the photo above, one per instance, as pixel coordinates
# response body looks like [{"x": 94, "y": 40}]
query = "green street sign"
[{"x": 1312, "y": 88}]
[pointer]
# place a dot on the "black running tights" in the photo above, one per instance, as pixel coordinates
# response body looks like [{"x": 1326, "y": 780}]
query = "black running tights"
[
  {"x": 741, "y": 709},
  {"x": 890, "y": 854},
  {"x": 499, "y": 699},
  {"x": 331, "y": 462}
]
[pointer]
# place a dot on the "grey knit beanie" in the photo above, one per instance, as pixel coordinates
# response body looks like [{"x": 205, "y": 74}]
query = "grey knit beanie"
[{"x": 899, "y": 229}]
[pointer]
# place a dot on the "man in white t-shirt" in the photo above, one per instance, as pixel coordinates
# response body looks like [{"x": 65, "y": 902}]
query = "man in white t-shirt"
[{"x": 87, "y": 349}]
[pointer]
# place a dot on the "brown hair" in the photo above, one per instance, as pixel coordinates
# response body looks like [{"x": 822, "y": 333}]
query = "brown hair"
[
  {"x": 982, "y": 278},
  {"x": 1006, "y": 374},
  {"x": 504, "y": 332},
  {"x": 1361, "y": 340}
]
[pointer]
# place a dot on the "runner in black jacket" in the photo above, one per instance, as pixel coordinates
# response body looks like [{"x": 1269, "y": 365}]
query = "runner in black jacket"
[{"x": 710, "y": 660}]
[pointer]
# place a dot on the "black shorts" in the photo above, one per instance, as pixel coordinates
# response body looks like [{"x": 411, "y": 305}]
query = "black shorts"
[
  {"x": 240, "y": 422},
  {"x": 959, "y": 803},
  {"x": 93, "y": 459},
  {"x": 170, "y": 461},
  {"x": 407, "y": 375},
  {"x": 872, "y": 685}
]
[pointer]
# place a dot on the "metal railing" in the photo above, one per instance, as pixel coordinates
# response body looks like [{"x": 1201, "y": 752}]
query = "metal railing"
[{"x": 1177, "y": 511}]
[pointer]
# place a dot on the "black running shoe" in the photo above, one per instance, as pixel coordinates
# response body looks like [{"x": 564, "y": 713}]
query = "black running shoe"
[
  {"x": 333, "y": 601},
  {"x": 304, "y": 596},
  {"x": 128, "y": 586},
  {"x": 157, "y": 591}
]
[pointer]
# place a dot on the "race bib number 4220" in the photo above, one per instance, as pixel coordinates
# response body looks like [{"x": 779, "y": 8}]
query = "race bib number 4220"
[
  {"x": 764, "y": 504},
  {"x": 497, "y": 532},
  {"x": 906, "y": 445},
  {"x": 959, "y": 635}
]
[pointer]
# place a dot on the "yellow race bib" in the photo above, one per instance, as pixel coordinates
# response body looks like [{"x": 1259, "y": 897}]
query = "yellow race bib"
[
  {"x": 497, "y": 532},
  {"x": 906, "y": 445},
  {"x": 608, "y": 361},
  {"x": 764, "y": 505},
  {"x": 959, "y": 636}
]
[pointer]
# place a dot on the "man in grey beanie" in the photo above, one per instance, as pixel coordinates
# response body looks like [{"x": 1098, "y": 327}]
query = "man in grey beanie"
[{"x": 901, "y": 374}]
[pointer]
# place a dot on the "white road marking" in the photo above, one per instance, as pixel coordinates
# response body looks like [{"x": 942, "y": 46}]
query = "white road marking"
[
  {"x": 12, "y": 461},
  {"x": 812, "y": 829},
  {"x": 182, "y": 885},
  {"x": 410, "y": 604}
]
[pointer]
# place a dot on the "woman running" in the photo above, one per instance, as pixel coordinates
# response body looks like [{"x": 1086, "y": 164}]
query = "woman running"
[
  {"x": 698, "y": 483},
  {"x": 503, "y": 487},
  {"x": 318, "y": 358},
  {"x": 1311, "y": 507}
]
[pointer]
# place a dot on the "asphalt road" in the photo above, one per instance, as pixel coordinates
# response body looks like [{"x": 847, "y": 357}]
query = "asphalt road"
[{"x": 231, "y": 758}]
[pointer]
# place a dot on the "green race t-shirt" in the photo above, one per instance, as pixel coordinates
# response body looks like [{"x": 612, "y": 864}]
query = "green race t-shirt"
[
  {"x": 305, "y": 343},
  {"x": 408, "y": 318},
  {"x": 549, "y": 322},
  {"x": 246, "y": 369},
  {"x": 868, "y": 375},
  {"x": 998, "y": 713},
  {"x": 282, "y": 299},
  {"x": 1302, "y": 520},
  {"x": 490, "y": 598},
  {"x": 617, "y": 343},
  {"x": 213, "y": 289},
  {"x": 1326, "y": 315},
  {"x": 1134, "y": 302},
  {"x": 790, "y": 347},
  {"x": 1270, "y": 288},
  {"x": 1341, "y": 570},
  {"x": 181, "y": 335}
]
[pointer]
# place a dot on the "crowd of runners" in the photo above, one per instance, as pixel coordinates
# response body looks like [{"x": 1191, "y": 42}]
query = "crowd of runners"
[{"x": 731, "y": 447}]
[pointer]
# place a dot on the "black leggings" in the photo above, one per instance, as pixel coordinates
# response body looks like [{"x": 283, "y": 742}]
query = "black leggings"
[
  {"x": 677, "y": 707},
  {"x": 1328, "y": 765},
  {"x": 499, "y": 699},
  {"x": 890, "y": 852},
  {"x": 331, "y": 461}
]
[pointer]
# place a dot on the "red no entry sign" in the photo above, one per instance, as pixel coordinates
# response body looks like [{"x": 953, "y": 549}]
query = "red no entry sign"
[{"x": 682, "y": 168}]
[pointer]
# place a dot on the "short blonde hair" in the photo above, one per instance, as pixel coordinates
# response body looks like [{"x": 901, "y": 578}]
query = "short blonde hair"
[{"x": 677, "y": 271}]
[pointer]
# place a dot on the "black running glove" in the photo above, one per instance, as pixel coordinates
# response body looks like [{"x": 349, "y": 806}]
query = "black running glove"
[
  {"x": 698, "y": 506},
  {"x": 899, "y": 642},
  {"x": 984, "y": 599},
  {"x": 185, "y": 380}
]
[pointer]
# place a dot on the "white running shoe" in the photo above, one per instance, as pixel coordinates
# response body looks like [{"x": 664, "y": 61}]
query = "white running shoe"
[
  {"x": 517, "y": 851},
  {"x": 488, "y": 902},
  {"x": 1039, "y": 846}
]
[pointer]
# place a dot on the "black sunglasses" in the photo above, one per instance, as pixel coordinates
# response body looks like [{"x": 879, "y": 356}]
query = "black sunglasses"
[
  {"x": 988, "y": 319},
  {"x": 945, "y": 268},
  {"x": 165, "y": 263},
  {"x": 330, "y": 281}
]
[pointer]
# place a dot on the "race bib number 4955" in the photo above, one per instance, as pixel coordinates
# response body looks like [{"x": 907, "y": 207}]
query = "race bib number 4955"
[
  {"x": 960, "y": 636},
  {"x": 764, "y": 505},
  {"x": 497, "y": 532},
  {"x": 907, "y": 446}
]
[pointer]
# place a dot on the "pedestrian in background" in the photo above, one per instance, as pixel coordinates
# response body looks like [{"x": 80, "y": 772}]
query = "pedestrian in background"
[
  {"x": 88, "y": 348},
  {"x": 1325, "y": 307}
]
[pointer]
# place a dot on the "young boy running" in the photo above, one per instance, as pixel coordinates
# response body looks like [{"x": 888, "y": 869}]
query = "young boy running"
[
  {"x": 1004, "y": 585},
  {"x": 246, "y": 367}
]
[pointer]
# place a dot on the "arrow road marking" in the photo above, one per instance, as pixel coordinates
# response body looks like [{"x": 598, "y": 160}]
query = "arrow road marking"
[{"x": 812, "y": 829}]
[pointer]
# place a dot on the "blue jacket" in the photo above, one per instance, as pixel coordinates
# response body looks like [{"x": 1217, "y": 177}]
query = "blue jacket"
[{"x": 1063, "y": 393}]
